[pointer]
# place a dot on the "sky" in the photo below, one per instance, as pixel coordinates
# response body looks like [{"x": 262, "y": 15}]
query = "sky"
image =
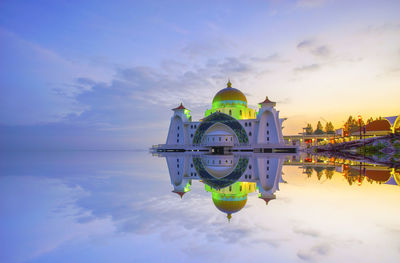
[
  {"x": 105, "y": 74},
  {"x": 118, "y": 207}
]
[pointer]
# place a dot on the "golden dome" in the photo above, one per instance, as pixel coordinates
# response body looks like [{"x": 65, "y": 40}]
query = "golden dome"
[
  {"x": 229, "y": 205},
  {"x": 229, "y": 94}
]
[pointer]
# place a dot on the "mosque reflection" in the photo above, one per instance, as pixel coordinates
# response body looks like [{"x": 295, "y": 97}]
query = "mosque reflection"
[{"x": 230, "y": 178}]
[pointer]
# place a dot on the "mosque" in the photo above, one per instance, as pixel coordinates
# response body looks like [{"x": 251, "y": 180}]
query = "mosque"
[
  {"x": 234, "y": 150},
  {"x": 230, "y": 125},
  {"x": 229, "y": 178}
]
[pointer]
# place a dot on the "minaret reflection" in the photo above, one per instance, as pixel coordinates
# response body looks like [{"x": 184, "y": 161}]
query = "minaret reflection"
[{"x": 229, "y": 178}]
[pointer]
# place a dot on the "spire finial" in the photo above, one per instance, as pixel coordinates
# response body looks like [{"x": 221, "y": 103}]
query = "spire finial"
[
  {"x": 229, "y": 84},
  {"x": 229, "y": 216}
]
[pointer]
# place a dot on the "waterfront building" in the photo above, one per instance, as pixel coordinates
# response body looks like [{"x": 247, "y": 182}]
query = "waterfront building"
[
  {"x": 381, "y": 127},
  {"x": 229, "y": 178},
  {"x": 229, "y": 125}
]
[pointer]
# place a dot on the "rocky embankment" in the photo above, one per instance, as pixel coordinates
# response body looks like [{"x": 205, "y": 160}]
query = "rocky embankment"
[{"x": 382, "y": 150}]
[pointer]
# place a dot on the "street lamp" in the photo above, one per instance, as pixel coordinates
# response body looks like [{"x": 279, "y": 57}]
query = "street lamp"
[{"x": 359, "y": 124}]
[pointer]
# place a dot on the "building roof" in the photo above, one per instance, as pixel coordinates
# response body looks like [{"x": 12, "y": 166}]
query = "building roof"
[
  {"x": 378, "y": 175},
  {"x": 266, "y": 101},
  {"x": 229, "y": 205},
  {"x": 267, "y": 199},
  {"x": 180, "y": 193},
  {"x": 180, "y": 107},
  {"x": 378, "y": 125},
  {"x": 392, "y": 119},
  {"x": 229, "y": 94}
]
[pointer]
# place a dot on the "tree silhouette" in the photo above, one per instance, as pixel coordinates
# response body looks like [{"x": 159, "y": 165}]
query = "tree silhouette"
[
  {"x": 329, "y": 128},
  {"x": 319, "y": 129},
  {"x": 309, "y": 129}
]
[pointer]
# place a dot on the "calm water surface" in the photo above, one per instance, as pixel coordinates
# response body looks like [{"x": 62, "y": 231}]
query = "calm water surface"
[{"x": 118, "y": 207}]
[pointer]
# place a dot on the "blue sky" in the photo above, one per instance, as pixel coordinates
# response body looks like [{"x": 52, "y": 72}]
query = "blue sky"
[
  {"x": 103, "y": 75},
  {"x": 118, "y": 207}
]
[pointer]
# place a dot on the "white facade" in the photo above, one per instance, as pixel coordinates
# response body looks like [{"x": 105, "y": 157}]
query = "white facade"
[
  {"x": 264, "y": 170},
  {"x": 266, "y": 128}
]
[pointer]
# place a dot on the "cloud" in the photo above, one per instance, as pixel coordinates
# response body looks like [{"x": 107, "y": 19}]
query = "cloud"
[
  {"x": 314, "y": 48},
  {"x": 275, "y": 57},
  {"x": 36, "y": 83},
  {"x": 321, "y": 51},
  {"x": 199, "y": 49},
  {"x": 315, "y": 252},
  {"x": 305, "y": 44},
  {"x": 383, "y": 28},
  {"x": 310, "y": 3},
  {"x": 133, "y": 100},
  {"x": 306, "y": 232},
  {"x": 307, "y": 68}
]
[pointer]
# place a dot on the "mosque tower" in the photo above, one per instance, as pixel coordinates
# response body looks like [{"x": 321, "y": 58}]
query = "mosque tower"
[
  {"x": 177, "y": 167},
  {"x": 228, "y": 124}
]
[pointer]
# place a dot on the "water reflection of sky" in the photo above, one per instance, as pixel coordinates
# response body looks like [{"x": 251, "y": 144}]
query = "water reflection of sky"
[{"x": 118, "y": 207}]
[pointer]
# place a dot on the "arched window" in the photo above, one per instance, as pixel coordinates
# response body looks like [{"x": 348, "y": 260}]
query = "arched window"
[
  {"x": 191, "y": 165},
  {"x": 240, "y": 112},
  {"x": 245, "y": 176},
  {"x": 267, "y": 132},
  {"x": 250, "y": 167},
  {"x": 191, "y": 126},
  {"x": 249, "y": 133},
  {"x": 177, "y": 135},
  {"x": 240, "y": 188},
  {"x": 191, "y": 135},
  {"x": 230, "y": 188},
  {"x": 267, "y": 124},
  {"x": 249, "y": 124},
  {"x": 245, "y": 124},
  {"x": 267, "y": 176},
  {"x": 178, "y": 127},
  {"x": 177, "y": 140},
  {"x": 230, "y": 112},
  {"x": 267, "y": 161},
  {"x": 267, "y": 139},
  {"x": 267, "y": 168},
  {"x": 177, "y": 166}
]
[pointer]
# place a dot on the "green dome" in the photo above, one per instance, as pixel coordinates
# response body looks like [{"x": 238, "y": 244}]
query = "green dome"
[{"x": 229, "y": 95}]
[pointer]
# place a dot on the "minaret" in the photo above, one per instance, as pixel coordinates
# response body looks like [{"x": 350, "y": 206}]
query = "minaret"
[
  {"x": 269, "y": 125},
  {"x": 269, "y": 173},
  {"x": 177, "y": 167},
  {"x": 178, "y": 134}
]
